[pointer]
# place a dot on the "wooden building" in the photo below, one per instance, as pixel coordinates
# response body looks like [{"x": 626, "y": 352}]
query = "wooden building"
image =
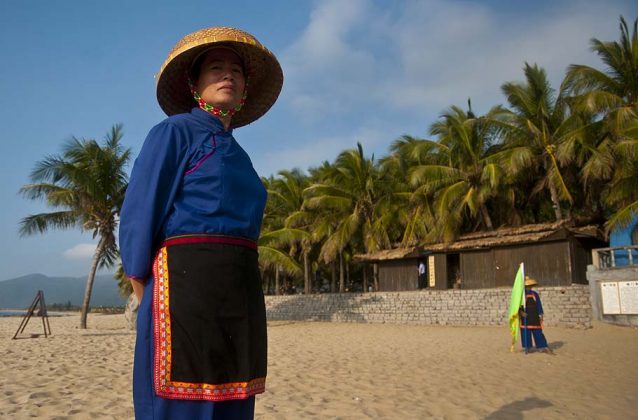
[{"x": 554, "y": 254}]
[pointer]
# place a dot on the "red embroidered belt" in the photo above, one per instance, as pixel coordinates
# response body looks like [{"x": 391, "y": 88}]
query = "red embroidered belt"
[{"x": 209, "y": 239}]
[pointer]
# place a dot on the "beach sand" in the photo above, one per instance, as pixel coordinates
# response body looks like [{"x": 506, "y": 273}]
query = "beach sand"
[{"x": 342, "y": 371}]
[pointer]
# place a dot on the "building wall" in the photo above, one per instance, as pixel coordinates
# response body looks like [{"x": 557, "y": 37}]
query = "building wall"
[
  {"x": 550, "y": 263},
  {"x": 581, "y": 252},
  {"x": 398, "y": 275},
  {"x": 564, "y": 306},
  {"x": 622, "y": 237},
  {"x": 557, "y": 263},
  {"x": 477, "y": 270},
  {"x": 440, "y": 271}
]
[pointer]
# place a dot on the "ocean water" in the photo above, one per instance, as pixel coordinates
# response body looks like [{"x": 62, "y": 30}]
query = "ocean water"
[{"x": 12, "y": 313}]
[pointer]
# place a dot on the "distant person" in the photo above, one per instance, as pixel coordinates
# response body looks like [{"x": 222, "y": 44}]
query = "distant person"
[
  {"x": 457, "y": 280},
  {"x": 188, "y": 233},
  {"x": 531, "y": 319},
  {"x": 422, "y": 279}
]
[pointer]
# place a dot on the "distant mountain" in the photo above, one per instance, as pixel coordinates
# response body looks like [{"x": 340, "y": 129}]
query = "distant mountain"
[{"x": 20, "y": 292}]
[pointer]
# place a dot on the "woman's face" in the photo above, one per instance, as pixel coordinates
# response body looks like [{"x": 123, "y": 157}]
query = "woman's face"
[{"x": 221, "y": 80}]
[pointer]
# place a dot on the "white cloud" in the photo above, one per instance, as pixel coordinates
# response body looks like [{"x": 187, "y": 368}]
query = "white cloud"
[
  {"x": 354, "y": 56},
  {"x": 304, "y": 155},
  {"x": 371, "y": 71},
  {"x": 327, "y": 64},
  {"x": 80, "y": 252},
  {"x": 465, "y": 49},
  {"x": 372, "y": 136}
]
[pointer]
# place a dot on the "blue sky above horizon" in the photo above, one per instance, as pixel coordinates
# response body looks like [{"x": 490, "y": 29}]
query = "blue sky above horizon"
[{"x": 363, "y": 71}]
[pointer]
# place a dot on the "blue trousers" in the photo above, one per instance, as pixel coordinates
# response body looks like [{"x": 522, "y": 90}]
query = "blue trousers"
[
  {"x": 539, "y": 338},
  {"x": 149, "y": 406}
]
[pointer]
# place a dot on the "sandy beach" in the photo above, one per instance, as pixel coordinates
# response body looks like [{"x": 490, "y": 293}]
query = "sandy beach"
[{"x": 342, "y": 371}]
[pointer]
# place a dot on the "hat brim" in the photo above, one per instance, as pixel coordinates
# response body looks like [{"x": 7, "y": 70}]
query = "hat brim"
[
  {"x": 530, "y": 282},
  {"x": 263, "y": 73}
]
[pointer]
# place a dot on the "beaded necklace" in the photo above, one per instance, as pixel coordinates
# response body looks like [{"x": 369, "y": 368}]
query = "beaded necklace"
[{"x": 213, "y": 110}]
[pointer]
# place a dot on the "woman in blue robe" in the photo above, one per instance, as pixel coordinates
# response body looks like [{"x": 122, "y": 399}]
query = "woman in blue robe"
[
  {"x": 531, "y": 319},
  {"x": 188, "y": 230}
]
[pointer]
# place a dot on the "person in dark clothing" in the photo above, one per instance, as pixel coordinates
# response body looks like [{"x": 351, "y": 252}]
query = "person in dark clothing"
[
  {"x": 422, "y": 275},
  {"x": 532, "y": 319}
]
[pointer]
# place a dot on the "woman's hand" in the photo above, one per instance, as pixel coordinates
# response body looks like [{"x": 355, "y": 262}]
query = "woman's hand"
[{"x": 138, "y": 289}]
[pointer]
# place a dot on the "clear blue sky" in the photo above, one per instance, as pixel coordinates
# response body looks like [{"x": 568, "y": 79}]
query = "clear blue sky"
[{"x": 357, "y": 70}]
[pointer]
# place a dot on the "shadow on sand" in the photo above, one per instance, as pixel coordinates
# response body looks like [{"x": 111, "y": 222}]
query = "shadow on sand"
[{"x": 514, "y": 410}]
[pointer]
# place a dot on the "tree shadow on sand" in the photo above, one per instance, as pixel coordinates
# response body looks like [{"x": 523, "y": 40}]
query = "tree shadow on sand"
[{"x": 514, "y": 410}]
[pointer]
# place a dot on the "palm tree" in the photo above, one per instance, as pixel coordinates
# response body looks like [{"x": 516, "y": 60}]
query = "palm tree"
[
  {"x": 86, "y": 186},
  {"x": 285, "y": 198},
  {"x": 414, "y": 213},
  {"x": 355, "y": 195},
  {"x": 622, "y": 193},
  {"x": 323, "y": 222},
  {"x": 124, "y": 285},
  {"x": 461, "y": 174},
  {"x": 612, "y": 93},
  {"x": 539, "y": 124},
  {"x": 608, "y": 154},
  {"x": 272, "y": 254}
]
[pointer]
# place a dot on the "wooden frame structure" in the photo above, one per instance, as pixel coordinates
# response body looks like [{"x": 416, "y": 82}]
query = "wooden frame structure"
[{"x": 42, "y": 312}]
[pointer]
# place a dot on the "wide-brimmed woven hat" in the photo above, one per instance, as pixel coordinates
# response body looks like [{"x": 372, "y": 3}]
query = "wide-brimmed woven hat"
[
  {"x": 530, "y": 281},
  {"x": 262, "y": 69}
]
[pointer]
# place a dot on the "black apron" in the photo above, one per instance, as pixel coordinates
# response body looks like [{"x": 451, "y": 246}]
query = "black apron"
[{"x": 209, "y": 319}]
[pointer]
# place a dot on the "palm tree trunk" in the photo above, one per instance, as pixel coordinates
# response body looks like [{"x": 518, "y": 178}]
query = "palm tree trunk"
[
  {"x": 265, "y": 281},
  {"x": 89, "y": 283},
  {"x": 365, "y": 279},
  {"x": 306, "y": 274},
  {"x": 555, "y": 202},
  {"x": 333, "y": 279},
  {"x": 277, "y": 280},
  {"x": 486, "y": 217},
  {"x": 375, "y": 275},
  {"x": 342, "y": 281}
]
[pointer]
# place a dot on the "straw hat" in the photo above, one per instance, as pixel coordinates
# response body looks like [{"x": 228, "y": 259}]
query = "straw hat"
[
  {"x": 262, "y": 69},
  {"x": 530, "y": 281}
]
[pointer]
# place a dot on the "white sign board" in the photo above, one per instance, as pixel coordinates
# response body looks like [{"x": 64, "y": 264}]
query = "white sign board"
[
  {"x": 628, "y": 297},
  {"x": 432, "y": 275},
  {"x": 611, "y": 297}
]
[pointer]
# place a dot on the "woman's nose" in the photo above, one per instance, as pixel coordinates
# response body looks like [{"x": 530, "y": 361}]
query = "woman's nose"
[{"x": 228, "y": 74}]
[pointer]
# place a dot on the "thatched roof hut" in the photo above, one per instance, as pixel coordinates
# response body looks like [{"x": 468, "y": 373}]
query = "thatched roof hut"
[{"x": 556, "y": 253}]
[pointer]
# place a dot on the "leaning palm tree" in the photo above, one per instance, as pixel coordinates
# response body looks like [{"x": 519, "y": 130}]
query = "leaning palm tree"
[{"x": 86, "y": 185}]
